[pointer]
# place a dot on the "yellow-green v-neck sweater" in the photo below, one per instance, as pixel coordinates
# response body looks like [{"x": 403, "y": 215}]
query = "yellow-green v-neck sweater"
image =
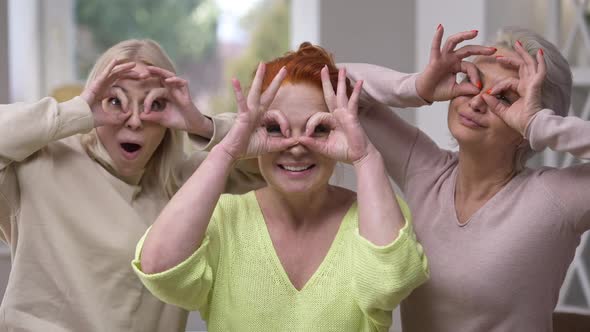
[{"x": 236, "y": 280}]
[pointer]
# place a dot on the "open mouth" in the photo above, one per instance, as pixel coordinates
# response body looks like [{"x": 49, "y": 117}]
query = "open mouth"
[
  {"x": 297, "y": 169},
  {"x": 130, "y": 150}
]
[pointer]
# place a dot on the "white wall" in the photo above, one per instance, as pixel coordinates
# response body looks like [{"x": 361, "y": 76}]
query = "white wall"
[{"x": 4, "y": 77}]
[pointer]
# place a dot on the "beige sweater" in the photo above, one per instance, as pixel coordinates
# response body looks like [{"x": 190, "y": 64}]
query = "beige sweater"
[
  {"x": 72, "y": 226},
  {"x": 503, "y": 269}
]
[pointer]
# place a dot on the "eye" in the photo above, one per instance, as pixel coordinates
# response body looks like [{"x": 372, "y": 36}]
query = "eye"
[
  {"x": 504, "y": 99},
  {"x": 273, "y": 129},
  {"x": 158, "y": 105},
  {"x": 321, "y": 130},
  {"x": 114, "y": 101}
]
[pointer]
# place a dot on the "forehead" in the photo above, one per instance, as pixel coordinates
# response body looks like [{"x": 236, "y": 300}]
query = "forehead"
[
  {"x": 299, "y": 101},
  {"x": 491, "y": 71}
]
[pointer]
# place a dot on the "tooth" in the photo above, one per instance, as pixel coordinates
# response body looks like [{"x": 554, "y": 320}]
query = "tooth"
[{"x": 296, "y": 168}]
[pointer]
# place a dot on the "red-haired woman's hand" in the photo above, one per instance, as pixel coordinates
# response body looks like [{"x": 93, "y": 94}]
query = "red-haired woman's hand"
[
  {"x": 438, "y": 81},
  {"x": 516, "y": 100},
  {"x": 109, "y": 105},
  {"x": 338, "y": 134},
  {"x": 172, "y": 106},
  {"x": 249, "y": 137}
]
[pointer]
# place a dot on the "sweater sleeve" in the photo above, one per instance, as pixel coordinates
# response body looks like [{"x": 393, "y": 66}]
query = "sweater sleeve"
[
  {"x": 385, "y": 275},
  {"x": 245, "y": 175},
  {"x": 25, "y": 128},
  {"x": 406, "y": 150},
  {"x": 563, "y": 134},
  {"x": 189, "y": 284}
]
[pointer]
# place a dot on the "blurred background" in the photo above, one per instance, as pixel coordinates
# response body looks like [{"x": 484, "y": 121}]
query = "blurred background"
[{"x": 47, "y": 47}]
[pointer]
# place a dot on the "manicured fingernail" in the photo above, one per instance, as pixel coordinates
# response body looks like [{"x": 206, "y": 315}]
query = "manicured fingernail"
[
  {"x": 478, "y": 84},
  {"x": 474, "y": 31},
  {"x": 439, "y": 26},
  {"x": 493, "y": 48},
  {"x": 518, "y": 43},
  {"x": 489, "y": 92},
  {"x": 499, "y": 56},
  {"x": 541, "y": 51}
]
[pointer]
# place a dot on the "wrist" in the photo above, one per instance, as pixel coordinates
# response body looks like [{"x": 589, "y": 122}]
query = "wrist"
[
  {"x": 422, "y": 88},
  {"x": 221, "y": 152},
  {"x": 373, "y": 156}
]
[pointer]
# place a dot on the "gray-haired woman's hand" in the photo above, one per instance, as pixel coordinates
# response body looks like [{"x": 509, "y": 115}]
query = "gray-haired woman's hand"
[
  {"x": 438, "y": 81},
  {"x": 516, "y": 100}
]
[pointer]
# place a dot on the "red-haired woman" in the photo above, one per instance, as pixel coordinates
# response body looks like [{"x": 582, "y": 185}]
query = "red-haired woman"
[{"x": 299, "y": 254}]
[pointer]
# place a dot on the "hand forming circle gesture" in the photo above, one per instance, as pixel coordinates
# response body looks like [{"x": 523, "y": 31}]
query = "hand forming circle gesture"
[
  {"x": 172, "y": 105},
  {"x": 438, "y": 81},
  {"x": 531, "y": 74},
  {"x": 248, "y": 137},
  {"x": 347, "y": 141}
]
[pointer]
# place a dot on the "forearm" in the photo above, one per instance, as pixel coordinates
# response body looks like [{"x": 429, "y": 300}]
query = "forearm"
[
  {"x": 564, "y": 134},
  {"x": 380, "y": 217},
  {"x": 28, "y": 127},
  {"x": 181, "y": 227},
  {"x": 385, "y": 85}
]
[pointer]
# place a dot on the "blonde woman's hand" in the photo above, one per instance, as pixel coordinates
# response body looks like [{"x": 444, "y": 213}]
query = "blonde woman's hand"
[
  {"x": 108, "y": 105},
  {"x": 338, "y": 134},
  {"x": 250, "y": 135},
  {"x": 516, "y": 100},
  {"x": 172, "y": 106},
  {"x": 438, "y": 81}
]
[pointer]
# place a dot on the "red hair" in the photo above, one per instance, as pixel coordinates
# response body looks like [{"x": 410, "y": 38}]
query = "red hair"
[{"x": 304, "y": 66}]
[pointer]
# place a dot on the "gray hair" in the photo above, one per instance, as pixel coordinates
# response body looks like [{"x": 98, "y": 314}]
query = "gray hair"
[{"x": 557, "y": 87}]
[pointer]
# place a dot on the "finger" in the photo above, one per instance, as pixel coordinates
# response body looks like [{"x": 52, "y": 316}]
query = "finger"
[
  {"x": 469, "y": 50},
  {"x": 457, "y": 38},
  {"x": 156, "y": 117},
  {"x": 313, "y": 144},
  {"x": 541, "y": 68},
  {"x": 329, "y": 95},
  {"x": 473, "y": 73},
  {"x": 510, "y": 61},
  {"x": 256, "y": 88},
  {"x": 494, "y": 104},
  {"x": 465, "y": 89},
  {"x": 320, "y": 118},
  {"x": 269, "y": 94},
  {"x": 276, "y": 144},
  {"x": 341, "y": 98},
  {"x": 354, "y": 97},
  {"x": 176, "y": 81},
  {"x": 163, "y": 73},
  {"x": 276, "y": 116},
  {"x": 153, "y": 95},
  {"x": 240, "y": 100},
  {"x": 123, "y": 67},
  {"x": 530, "y": 63},
  {"x": 504, "y": 85},
  {"x": 436, "y": 42}
]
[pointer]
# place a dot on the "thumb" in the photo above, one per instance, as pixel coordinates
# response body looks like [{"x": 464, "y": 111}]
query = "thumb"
[
  {"x": 313, "y": 144},
  {"x": 464, "y": 88},
  {"x": 276, "y": 144},
  {"x": 495, "y": 105}
]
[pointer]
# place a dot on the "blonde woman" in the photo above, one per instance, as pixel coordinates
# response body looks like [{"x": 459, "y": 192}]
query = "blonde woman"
[{"x": 81, "y": 181}]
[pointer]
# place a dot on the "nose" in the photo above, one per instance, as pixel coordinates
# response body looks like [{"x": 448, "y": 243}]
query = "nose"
[
  {"x": 133, "y": 122},
  {"x": 478, "y": 104},
  {"x": 297, "y": 150}
]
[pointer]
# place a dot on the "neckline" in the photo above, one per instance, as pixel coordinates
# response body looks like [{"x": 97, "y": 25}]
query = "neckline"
[
  {"x": 269, "y": 247},
  {"x": 486, "y": 205}
]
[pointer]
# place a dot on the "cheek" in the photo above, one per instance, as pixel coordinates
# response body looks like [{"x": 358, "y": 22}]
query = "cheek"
[
  {"x": 106, "y": 135},
  {"x": 154, "y": 135}
]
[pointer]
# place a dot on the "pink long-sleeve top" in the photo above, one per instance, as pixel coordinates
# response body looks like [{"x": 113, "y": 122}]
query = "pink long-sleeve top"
[{"x": 502, "y": 270}]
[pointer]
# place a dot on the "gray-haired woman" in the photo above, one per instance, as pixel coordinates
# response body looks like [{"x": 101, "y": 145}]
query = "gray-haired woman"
[{"x": 499, "y": 236}]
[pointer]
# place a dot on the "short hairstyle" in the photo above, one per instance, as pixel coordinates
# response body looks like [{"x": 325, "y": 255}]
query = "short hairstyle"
[{"x": 304, "y": 66}]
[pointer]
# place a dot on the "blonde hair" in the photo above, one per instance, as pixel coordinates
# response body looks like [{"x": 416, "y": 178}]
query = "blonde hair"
[
  {"x": 160, "y": 172},
  {"x": 557, "y": 87}
]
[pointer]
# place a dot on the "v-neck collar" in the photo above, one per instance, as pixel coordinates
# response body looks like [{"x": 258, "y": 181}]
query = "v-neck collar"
[
  {"x": 269, "y": 247},
  {"x": 487, "y": 205}
]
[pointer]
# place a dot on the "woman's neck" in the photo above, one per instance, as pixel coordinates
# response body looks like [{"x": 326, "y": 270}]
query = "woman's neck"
[
  {"x": 482, "y": 174},
  {"x": 299, "y": 210}
]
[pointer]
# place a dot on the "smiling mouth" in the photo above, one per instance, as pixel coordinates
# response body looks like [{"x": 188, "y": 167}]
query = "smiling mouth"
[{"x": 296, "y": 168}]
